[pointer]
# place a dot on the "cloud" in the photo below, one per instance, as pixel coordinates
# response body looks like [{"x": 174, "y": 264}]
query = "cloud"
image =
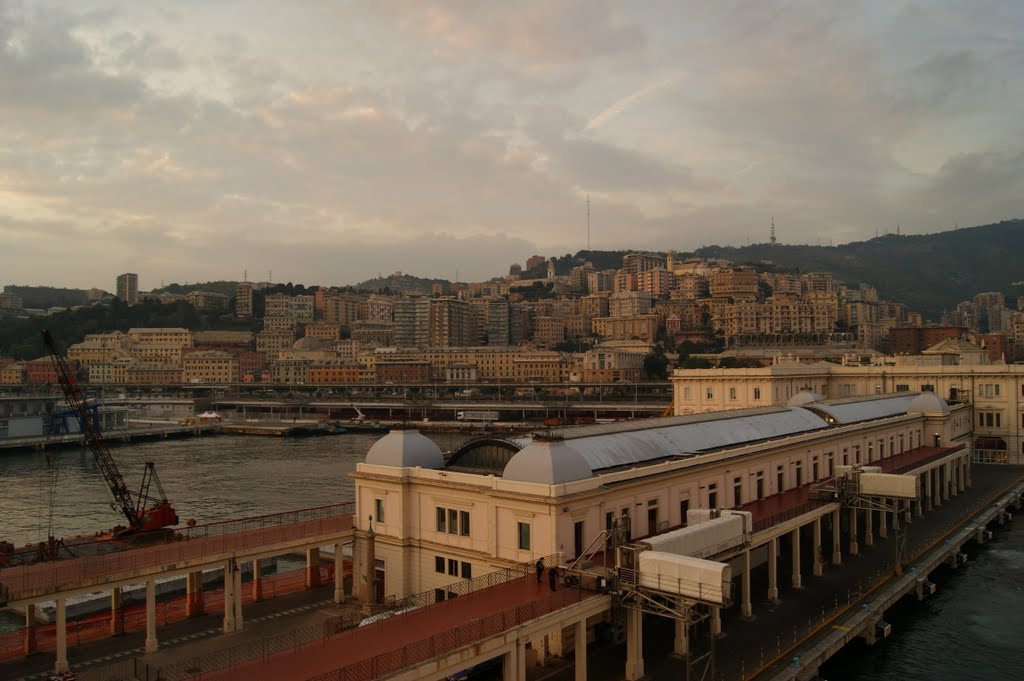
[{"x": 335, "y": 140}]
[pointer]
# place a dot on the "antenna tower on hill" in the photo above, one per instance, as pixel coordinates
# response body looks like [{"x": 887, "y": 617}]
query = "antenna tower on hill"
[
  {"x": 588, "y": 222},
  {"x": 771, "y": 236}
]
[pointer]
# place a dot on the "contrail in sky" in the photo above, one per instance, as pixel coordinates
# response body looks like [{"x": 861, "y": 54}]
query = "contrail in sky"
[{"x": 618, "y": 107}]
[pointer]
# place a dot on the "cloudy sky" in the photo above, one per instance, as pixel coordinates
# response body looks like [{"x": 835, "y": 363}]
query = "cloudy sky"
[{"x": 331, "y": 141}]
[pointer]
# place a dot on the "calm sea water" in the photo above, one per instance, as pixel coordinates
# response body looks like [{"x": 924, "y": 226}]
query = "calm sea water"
[{"x": 972, "y": 629}]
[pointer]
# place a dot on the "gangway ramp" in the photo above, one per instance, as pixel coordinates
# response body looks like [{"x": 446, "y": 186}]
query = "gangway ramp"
[{"x": 433, "y": 640}]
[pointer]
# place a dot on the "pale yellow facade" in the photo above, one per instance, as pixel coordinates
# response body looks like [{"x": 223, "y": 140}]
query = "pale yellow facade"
[
  {"x": 996, "y": 392},
  {"x": 412, "y": 541}
]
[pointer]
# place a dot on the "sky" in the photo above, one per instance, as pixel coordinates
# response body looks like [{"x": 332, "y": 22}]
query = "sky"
[{"x": 325, "y": 142}]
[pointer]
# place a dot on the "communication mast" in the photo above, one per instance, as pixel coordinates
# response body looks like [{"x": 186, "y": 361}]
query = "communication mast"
[{"x": 771, "y": 237}]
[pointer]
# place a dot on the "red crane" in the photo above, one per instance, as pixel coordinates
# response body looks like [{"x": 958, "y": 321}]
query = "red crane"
[{"x": 146, "y": 513}]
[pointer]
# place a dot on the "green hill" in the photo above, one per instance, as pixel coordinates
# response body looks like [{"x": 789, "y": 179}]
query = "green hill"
[{"x": 929, "y": 272}]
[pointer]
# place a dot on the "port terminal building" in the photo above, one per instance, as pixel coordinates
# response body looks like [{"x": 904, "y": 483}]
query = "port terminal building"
[{"x": 437, "y": 519}]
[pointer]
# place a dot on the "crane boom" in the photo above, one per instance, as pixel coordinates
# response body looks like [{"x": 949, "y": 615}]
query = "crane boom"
[{"x": 140, "y": 518}]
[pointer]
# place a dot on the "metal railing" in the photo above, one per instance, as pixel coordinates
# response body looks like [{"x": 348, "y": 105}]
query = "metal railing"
[
  {"x": 217, "y": 538},
  {"x": 447, "y": 641},
  {"x": 468, "y": 586},
  {"x": 790, "y": 513}
]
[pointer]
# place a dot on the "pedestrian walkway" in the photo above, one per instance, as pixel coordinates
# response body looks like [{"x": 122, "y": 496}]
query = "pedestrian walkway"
[
  {"x": 411, "y": 637},
  {"x": 194, "y": 634}
]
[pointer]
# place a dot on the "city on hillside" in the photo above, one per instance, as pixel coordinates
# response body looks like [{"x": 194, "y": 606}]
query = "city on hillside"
[{"x": 654, "y": 313}]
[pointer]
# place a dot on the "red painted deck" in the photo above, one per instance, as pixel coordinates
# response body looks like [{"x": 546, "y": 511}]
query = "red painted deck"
[
  {"x": 778, "y": 508},
  {"x": 45, "y": 578},
  {"x": 412, "y": 637}
]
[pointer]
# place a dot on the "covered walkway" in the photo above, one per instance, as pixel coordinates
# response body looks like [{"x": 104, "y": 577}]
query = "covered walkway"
[{"x": 406, "y": 639}]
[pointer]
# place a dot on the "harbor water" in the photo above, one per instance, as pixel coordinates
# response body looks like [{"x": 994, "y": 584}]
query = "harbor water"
[{"x": 972, "y": 629}]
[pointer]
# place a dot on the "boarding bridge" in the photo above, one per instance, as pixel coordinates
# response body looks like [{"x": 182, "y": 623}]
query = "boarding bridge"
[{"x": 675, "y": 574}]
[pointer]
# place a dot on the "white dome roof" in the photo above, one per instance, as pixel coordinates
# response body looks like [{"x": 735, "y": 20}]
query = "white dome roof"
[
  {"x": 405, "y": 449},
  {"x": 928, "y": 402},
  {"x": 805, "y": 396},
  {"x": 549, "y": 463}
]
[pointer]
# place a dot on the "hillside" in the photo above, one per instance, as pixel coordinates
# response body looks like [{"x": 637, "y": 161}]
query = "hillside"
[{"x": 930, "y": 273}]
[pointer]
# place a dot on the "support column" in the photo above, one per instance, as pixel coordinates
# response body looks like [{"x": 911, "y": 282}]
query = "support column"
[
  {"x": 797, "y": 582},
  {"x": 556, "y": 643},
  {"x": 883, "y": 527},
  {"x": 508, "y": 666},
  {"x": 257, "y": 581},
  {"x": 634, "y": 644},
  {"x": 229, "y": 597},
  {"x": 368, "y": 580},
  {"x": 312, "y": 567},
  {"x": 540, "y": 646},
  {"x": 61, "y": 664},
  {"x": 837, "y": 552},
  {"x": 967, "y": 463},
  {"x": 238, "y": 598},
  {"x": 936, "y": 488},
  {"x": 681, "y": 642},
  {"x": 947, "y": 487},
  {"x": 339, "y": 573},
  {"x": 580, "y": 649},
  {"x": 927, "y": 488},
  {"x": 116, "y": 621},
  {"x": 194, "y": 604},
  {"x": 30, "y": 629},
  {"x": 747, "y": 609},
  {"x": 520, "y": 660},
  {"x": 773, "y": 570},
  {"x": 351, "y": 592},
  {"x": 819, "y": 553},
  {"x": 869, "y": 534},
  {"x": 151, "y": 642},
  {"x": 716, "y": 620},
  {"x": 854, "y": 546}
]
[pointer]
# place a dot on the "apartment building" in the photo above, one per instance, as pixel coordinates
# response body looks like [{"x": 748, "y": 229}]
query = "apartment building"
[
  {"x": 243, "y": 299},
  {"x": 172, "y": 335},
  {"x": 128, "y": 288},
  {"x": 209, "y": 366},
  {"x": 640, "y": 327}
]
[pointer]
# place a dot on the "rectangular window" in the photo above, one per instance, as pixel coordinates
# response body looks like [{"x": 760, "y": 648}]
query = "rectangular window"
[
  {"x": 441, "y": 515},
  {"x": 757, "y": 393},
  {"x": 732, "y": 393},
  {"x": 439, "y": 564},
  {"x": 609, "y": 520},
  {"x": 467, "y": 570},
  {"x": 998, "y": 419},
  {"x": 799, "y": 474},
  {"x": 737, "y": 491},
  {"x": 814, "y": 469},
  {"x": 928, "y": 388},
  {"x": 464, "y": 523},
  {"x": 453, "y": 521},
  {"x": 453, "y": 567},
  {"x": 759, "y": 484},
  {"x": 378, "y": 508},
  {"x": 710, "y": 394},
  {"x": 684, "y": 506},
  {"x": 524, "y": 536},
  {"x": 712, "y": 495},
  {"x": 688, "y": 394},
  {"x": 780, "y": 479}
]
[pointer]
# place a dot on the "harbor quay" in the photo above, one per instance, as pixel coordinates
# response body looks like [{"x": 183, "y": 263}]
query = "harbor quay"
[
  {"x": 752, "y": 537},
  {"x": 776, "y": 633}
]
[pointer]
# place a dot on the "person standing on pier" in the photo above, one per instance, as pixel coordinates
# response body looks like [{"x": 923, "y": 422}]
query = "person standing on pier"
[
  {"x": 553, "y": 577},
  {"x": 540, "y": 569}
]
